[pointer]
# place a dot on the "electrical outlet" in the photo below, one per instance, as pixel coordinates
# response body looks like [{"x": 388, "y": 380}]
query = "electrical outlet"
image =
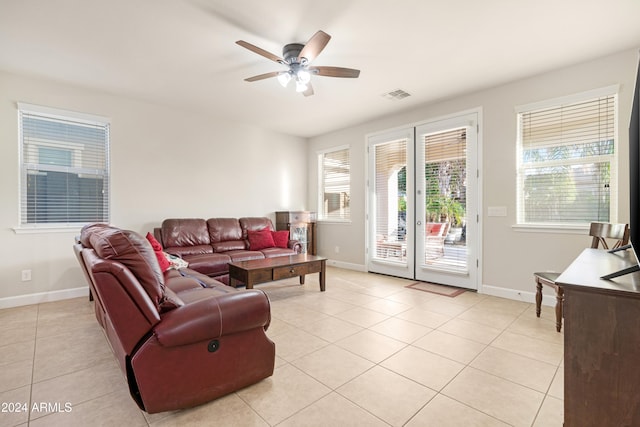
[{"x": 26, "y": 275}]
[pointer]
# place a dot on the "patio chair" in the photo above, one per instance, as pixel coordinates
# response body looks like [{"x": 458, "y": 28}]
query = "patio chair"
[{"x": 435, "y": 232}]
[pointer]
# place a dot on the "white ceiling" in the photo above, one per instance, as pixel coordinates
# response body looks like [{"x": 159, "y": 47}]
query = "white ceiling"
[{"x": 183, "y": 52}]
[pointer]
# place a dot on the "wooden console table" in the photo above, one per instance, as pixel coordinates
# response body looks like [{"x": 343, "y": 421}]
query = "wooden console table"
[
  {"x": 601, "y": 341},
  {"x": 257, "y": 271}
]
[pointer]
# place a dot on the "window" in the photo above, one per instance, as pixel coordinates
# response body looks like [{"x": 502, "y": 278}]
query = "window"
[
  {"x": 64, "y": 159},
  {"x": 566, "y": 160},
  {"x": 335, "y": 184}
]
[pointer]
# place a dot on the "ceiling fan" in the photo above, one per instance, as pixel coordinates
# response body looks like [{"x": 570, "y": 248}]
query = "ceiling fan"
[{"x": 297, "y": 58}]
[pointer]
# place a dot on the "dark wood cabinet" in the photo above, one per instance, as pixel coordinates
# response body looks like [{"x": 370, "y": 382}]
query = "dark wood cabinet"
[
  {"x": 601, "y": 341},
  {"x": 301, "y": 226}
]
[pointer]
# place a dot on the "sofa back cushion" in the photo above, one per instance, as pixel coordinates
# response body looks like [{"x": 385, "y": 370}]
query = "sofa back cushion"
[
  {"x": 184, "y": 232},
  {"x": 134, "y": 252},
  {"x": 254, "y": 224},
  {"x": 225, "y": 234},
  {"x": 88, "y": 229}
]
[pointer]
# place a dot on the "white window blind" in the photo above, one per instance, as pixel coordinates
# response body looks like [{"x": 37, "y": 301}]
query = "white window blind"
[
  {"x": 335, "y": 184},
  {"x": 566, "y": 163},
  {"x": 390, "y": 201},
  {"x": 64, "y": 168},
  {"x": 445, "y": 175}
]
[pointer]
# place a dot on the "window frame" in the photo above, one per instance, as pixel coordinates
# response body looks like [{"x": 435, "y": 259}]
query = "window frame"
[
  {"x": 557, "y": 103},
  {"x": 56, "y": 114},
  {"x": 322, "y": 215}
]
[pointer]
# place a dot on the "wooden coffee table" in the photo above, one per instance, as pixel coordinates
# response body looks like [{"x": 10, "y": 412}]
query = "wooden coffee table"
[{"x": 256, "y": 271}]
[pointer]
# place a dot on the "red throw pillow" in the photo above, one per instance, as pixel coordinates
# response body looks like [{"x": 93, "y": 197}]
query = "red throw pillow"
[
  {"x": 157, "y": 248},
  {"x": 281, "y": 238},
  {"x": 260, "y": 240}
]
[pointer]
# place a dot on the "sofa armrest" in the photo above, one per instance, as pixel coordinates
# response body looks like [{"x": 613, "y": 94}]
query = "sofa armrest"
[
  {"x": 296, "y": 246},
  {"x": 214, "y": 317}
]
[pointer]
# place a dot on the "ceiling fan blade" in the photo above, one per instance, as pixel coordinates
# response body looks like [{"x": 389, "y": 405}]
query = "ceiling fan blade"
[
  {"x": 315, "y": 45},
  {"x": 335, "y": 72},
  {"x": 259, "y": 51},
  {"x": 264, "y": 76},
  {"x": 309, "y": 90}
]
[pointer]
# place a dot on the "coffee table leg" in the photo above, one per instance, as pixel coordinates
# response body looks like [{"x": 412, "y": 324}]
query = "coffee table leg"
[
  {"x": 322, "y": 276},
  {"x": 302, "y": 279},
  {"x": 233, "y": 282}
]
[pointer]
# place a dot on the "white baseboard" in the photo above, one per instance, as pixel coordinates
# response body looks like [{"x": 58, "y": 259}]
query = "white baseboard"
[
  {"x": 515, "y": 294},
  {"x": 41, "y": 297},
  {"x": 346, "y": 265}
]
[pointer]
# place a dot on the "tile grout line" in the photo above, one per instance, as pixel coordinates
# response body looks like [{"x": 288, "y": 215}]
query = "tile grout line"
[{"x": 33, "y": 363}]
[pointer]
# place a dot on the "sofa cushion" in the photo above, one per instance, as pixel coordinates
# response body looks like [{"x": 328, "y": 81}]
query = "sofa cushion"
[
  {"x": 157, "y": 248},
  {"x": 230, "y": 245},
  {"x": 209, "y": 264},
  {"x": 224, "y": 229},
  {"x": 183, "y": 251},
  {"x": 276, "y": 252},
  {"x": 184, "y": 232},
  {"x": 281, "y": 238},
  {"x": 245, "y": 255},
  {"x": 260, "y": 240},
  {"x": 179, "y": 282},
  {"x": 134, "y": 252},
  {"x": 186, "y": 280}
]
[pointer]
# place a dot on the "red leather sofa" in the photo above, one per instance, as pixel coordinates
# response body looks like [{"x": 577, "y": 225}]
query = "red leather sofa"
[
  {"x": 181, "y": 338},
  {"x": 210, "y": 245}
]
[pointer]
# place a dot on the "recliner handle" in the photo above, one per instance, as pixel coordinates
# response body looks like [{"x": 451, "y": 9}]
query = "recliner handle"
[{"x": 213, "y": 346}]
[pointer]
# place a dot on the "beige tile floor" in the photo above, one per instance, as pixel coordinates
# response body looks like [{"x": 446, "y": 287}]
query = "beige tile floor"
[{"x": 367, "y": 352}]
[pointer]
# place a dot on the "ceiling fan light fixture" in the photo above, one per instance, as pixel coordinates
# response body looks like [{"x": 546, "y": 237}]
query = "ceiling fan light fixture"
[
  {"x": 284, "y": 79},
  {"x": 300, "y": 85},
  {"x": 303, "y": 75},
  {"x": 297, "y": 57}
]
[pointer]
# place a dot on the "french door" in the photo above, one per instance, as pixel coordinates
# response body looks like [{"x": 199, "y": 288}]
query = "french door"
[
  {"x": 390, "y": 216},
  {"x": 423, "y": 202}
]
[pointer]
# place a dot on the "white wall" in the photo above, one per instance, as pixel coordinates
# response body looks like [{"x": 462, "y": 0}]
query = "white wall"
[
  {"x": 164, "y": 163},
  {"x": 509, "y": 256}
]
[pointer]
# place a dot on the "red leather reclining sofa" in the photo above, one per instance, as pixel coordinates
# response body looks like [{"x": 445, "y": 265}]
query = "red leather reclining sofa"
[
  {"x": 180, "y": 337},
  {"x": 210, "y": 245}
]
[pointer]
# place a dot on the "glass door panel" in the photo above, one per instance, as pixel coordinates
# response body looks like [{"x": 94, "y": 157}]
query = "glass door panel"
[{"x": 390, "y": 210}]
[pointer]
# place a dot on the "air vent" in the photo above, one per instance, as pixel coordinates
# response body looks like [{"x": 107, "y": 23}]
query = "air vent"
[{"x": 395, "y": 95}]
